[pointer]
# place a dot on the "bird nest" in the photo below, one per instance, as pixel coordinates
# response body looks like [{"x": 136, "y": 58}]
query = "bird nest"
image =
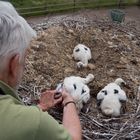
[{"x": 115, "y": 53}]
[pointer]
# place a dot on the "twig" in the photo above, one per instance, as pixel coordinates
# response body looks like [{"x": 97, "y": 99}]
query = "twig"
[
  {"x": 93, "y": 121},
  {"x": 87, "y": 137},
  {"x": 102, "y": 134}
]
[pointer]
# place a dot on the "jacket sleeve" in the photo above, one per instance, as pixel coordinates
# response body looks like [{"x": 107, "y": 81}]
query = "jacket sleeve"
[{"x": 50, "y": 129}]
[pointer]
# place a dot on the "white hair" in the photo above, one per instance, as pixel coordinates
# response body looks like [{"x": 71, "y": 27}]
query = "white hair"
[{"x": 15, "y": 33}]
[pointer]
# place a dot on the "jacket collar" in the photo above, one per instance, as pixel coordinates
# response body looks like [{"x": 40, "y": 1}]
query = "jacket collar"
[{"x": 8, "y": 90}]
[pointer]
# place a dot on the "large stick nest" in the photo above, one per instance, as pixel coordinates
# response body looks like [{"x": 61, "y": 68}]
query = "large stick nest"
[{"x": 116, "y": 53}]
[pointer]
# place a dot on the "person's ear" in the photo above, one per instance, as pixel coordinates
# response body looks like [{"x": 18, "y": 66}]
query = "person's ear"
[{"x": 14, "y": 65}]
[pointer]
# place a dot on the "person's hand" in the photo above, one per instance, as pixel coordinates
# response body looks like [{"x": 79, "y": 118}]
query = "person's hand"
[
  {"x": 49, "y": 99},
  {"x": 66, "y": 97}
]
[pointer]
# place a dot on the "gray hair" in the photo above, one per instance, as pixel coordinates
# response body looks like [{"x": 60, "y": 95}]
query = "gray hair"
[{"x": 15, "y": 32}]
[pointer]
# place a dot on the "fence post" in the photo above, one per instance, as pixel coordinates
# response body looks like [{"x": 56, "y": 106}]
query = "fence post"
[
  {"x": 138, "y": 2},
  {"x": 121, "y": 3},
  {"x": 46, "y": 7},
  {"x": 74, "y": 4}
]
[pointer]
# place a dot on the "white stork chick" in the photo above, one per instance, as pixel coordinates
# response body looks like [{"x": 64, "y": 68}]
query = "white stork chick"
[
  {"x": 111, "y": 97},
  {"x": 76, "y": 86},
  {"x": 83, "y": 54}
]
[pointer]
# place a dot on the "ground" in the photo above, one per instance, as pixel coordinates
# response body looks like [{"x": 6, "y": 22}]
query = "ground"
[
  {"x": 115, "y": 53},
  {"x": 131, "y": 15}
]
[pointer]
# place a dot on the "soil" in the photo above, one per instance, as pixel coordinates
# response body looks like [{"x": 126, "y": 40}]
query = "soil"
[{"x": 132, "y": 14}]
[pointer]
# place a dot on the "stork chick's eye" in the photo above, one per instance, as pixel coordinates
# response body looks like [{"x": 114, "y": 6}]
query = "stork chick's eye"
[
  {"x": 74, "y": 86},
  {"x": 83, "y": 91},
  {"x": 77, "y": 50},
  {"x": 116, "y": 91},
  {"x": 86, "y": 49},
  {"x": 105, "y": 92}
]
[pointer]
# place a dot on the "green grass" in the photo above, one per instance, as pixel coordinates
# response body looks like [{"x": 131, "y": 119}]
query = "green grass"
[
  {"x": 35, "y": 7},
  {"x": 29, "y": 3}
]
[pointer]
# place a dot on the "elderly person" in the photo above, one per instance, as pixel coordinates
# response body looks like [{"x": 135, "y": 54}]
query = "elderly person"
[{"x": 17, "y": 121}]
